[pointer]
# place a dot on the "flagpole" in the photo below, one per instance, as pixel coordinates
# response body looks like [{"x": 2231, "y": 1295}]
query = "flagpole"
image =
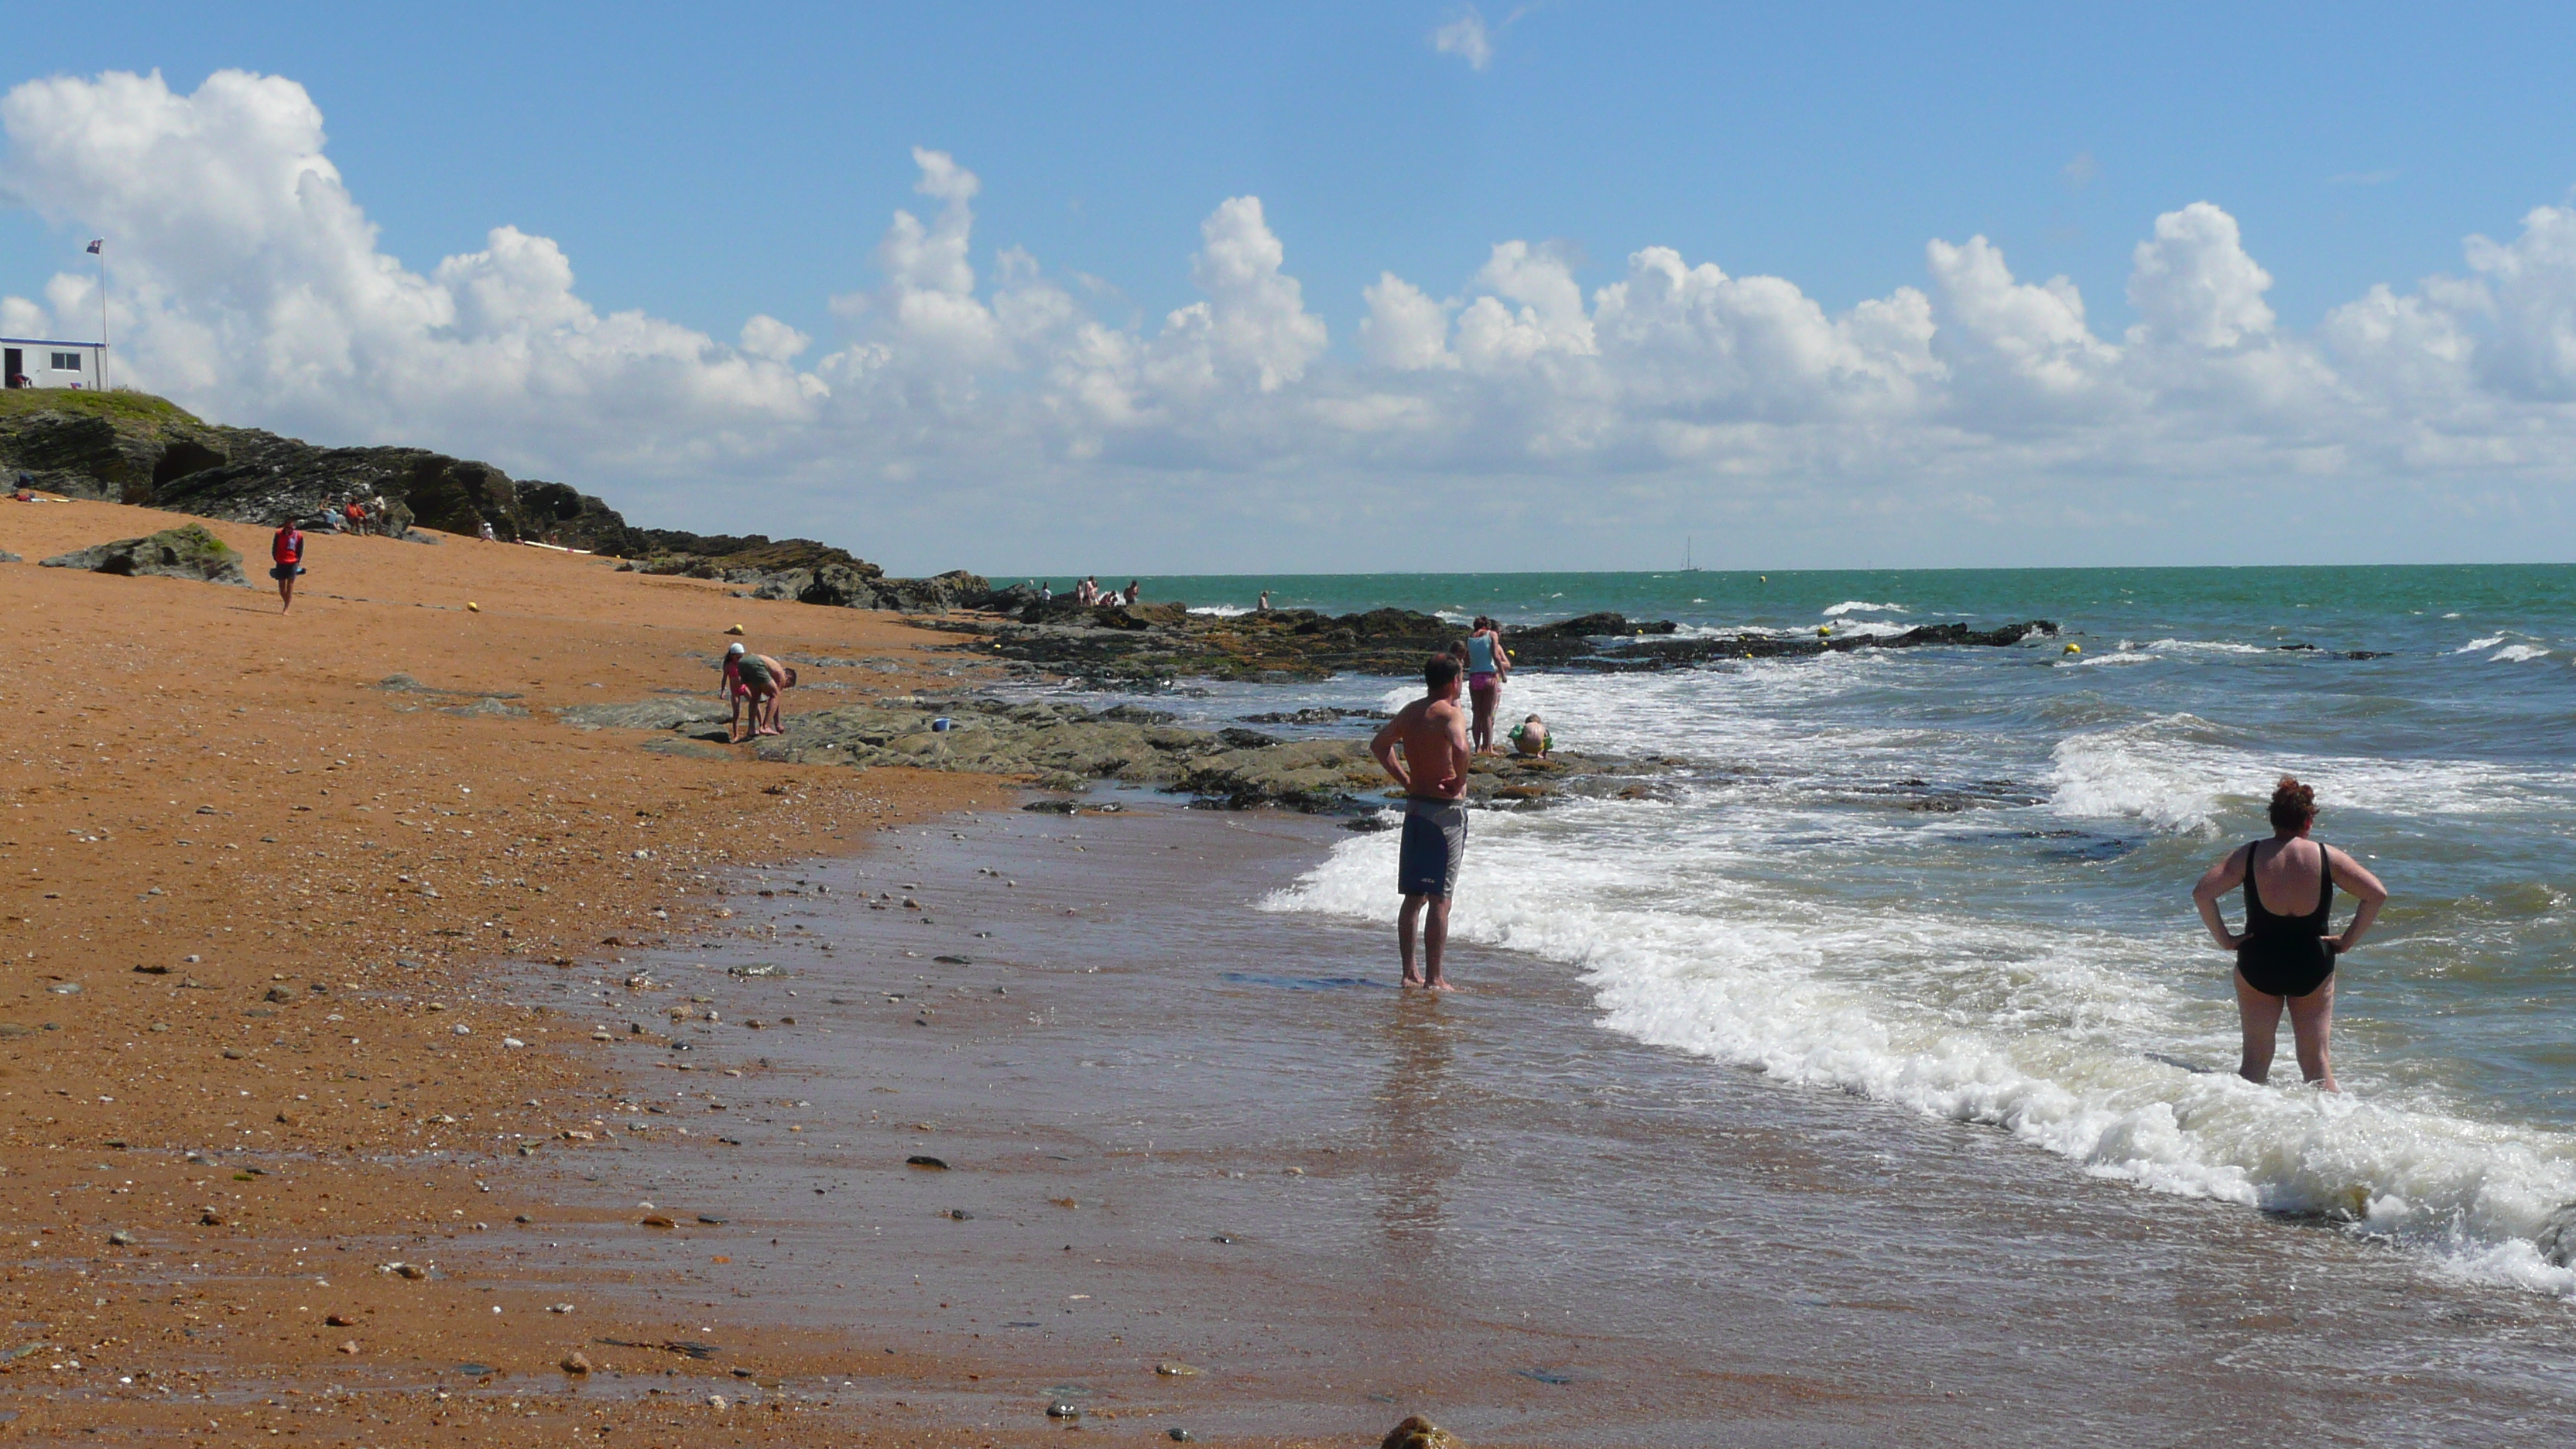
[{"x": 101, "y": 248}]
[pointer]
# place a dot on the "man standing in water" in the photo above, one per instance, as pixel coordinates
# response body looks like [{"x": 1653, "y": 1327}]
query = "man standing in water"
[
  {"x": 1424, "y": 749},
  {"x": 2285, "y": 955}
]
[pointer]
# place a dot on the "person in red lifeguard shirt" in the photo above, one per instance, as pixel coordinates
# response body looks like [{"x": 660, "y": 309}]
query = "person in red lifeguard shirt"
[
  {"x": 356, "y": 513},
  {"x": 286, "y": 551}
]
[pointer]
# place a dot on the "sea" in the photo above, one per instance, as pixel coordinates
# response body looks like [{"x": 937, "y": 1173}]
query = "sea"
[{"x": 1957, "y": 880}]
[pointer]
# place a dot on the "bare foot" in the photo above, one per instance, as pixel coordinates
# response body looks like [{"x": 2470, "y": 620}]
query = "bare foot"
[{"x": 1441, "y": 984}]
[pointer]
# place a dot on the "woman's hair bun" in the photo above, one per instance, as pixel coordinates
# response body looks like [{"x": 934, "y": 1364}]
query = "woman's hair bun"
[{"x": 2293, "y": 804}]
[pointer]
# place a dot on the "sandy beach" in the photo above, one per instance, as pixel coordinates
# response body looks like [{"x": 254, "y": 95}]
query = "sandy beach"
[
  {"x": 252, "y": 1052},
  {"x": 384, "y": 1065}
]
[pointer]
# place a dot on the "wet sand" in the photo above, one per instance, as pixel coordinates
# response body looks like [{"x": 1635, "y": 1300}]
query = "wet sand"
[{"x": 1181, "y": 1131}]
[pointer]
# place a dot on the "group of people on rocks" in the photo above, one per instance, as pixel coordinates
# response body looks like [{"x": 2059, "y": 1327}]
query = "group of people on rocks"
[
  {"x": 1089, "y": 594},
  {"x": 355, "y": 515}
]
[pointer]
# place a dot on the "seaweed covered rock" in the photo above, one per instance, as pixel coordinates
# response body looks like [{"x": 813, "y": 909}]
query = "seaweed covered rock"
[
  {"x": 190, "y": 551},
  {"x": 1059, "y": 745}
]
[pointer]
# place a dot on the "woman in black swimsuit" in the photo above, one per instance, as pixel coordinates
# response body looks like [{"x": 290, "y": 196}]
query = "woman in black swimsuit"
[{"x": 2285, "y": 955}]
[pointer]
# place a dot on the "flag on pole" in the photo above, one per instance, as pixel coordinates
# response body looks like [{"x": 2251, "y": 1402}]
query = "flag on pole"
[{"x": 94, "y": 246}]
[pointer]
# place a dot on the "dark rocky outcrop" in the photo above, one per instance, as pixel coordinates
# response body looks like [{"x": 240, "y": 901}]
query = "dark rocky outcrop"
[
  {"x": 1149, "y": 644},
  {"x": 135, "y": 448},
  {"x": 811, "y": 573},
  {"x": 190, "y": 551}
]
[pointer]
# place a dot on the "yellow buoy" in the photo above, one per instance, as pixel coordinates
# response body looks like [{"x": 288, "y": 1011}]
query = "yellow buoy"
[
  {"x": 1824, "y": 631},
  {"x": 2074, "y": 649},
  {"x": 472, "y": 607}
]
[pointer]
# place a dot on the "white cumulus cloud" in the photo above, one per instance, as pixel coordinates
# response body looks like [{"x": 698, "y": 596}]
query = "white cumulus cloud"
[{"x": 974, "y": 408}]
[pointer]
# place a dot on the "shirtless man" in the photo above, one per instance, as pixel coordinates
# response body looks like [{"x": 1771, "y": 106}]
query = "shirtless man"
[{"x": 1424, "y": 749}]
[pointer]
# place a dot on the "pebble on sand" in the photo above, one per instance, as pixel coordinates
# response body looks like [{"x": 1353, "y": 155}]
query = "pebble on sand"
[{"x": 1418, "y": 1432}]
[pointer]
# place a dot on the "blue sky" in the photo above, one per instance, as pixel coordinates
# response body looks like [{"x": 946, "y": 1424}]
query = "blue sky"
[
  {"x": 704, "y": 164},
  {"x": 710, "y": 162}
]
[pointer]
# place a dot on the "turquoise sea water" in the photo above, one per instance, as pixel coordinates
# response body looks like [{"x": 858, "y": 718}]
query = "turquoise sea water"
[{"x": 1958, "y": 878}]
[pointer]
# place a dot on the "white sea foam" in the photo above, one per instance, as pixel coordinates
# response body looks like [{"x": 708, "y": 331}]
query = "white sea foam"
[
  {"x": 2517, "y": 653},
  {"x": 1868, "y": 628},
  {"x": 2474, "y": 645},
  {"x": 1855, "y": 606},
  {"x": 2125, "y": 654},
  {"x": 2157, "y": 772},
  {"x": 2207, "y": 646},
  {"x": 2178, "y": 775},
  {"x": 1221, "y": 611},
  {"x": 2064, "y": 1037}
]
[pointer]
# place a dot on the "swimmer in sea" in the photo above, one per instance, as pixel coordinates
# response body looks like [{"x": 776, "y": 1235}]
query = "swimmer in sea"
[{"x": 2285, "y": 956}]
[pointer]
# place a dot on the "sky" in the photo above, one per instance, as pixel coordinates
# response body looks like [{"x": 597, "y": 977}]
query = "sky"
[{"x": 1317, "y": 287}]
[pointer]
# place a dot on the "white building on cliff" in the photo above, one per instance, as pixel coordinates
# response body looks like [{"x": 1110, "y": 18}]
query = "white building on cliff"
[{"x": 35, "y": 362}]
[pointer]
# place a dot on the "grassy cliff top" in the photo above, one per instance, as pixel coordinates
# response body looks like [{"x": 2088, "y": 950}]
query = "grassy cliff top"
[{"x": 115, "y": 404}]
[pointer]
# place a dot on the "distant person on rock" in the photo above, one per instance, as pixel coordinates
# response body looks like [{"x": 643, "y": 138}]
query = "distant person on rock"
[
  {"x": 1530, "y": 737},
  {"x": 356, "y": 514},
  {"x": 286, "y": 561},
  {"x": 1046, "y": 593},
  {"x": 1134, "y": 592},
  {"x": 1263, "y": 607},
  {"x": 1488, "y": 665},
  {"x": 483, "y": 531},
  {"x": 1424, "y": 750},
  {"x": 2285, "y": 956}
]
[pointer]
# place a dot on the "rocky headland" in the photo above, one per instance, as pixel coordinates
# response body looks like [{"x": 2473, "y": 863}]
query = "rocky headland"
[
  {"x": 134, "y": 448},
  {"x": 1151, "y": 645}
]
